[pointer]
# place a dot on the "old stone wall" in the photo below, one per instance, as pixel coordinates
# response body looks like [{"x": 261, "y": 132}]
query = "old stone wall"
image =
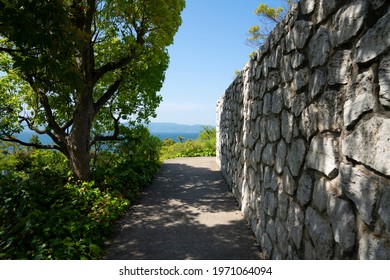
[{"x": 304, "y": 133}]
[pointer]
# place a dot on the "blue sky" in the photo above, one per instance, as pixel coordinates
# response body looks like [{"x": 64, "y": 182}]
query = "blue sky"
[{"x": 208, "y": 48}]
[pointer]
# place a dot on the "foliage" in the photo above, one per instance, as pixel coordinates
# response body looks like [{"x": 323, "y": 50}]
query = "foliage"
[
  {"x": 204, "y": 145},
  {"x": 47, "y": 214},
  {"x": 77, "y": 70},
  {"x": 269, "y": 17}
]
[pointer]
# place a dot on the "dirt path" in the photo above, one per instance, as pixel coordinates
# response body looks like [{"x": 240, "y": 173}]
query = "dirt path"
[{"x": 187, "y": 213}]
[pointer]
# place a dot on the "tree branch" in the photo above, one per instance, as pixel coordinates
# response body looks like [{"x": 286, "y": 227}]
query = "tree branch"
[
  {"x": 37, "y": 146},
  {"x": 107, "y": 95}
]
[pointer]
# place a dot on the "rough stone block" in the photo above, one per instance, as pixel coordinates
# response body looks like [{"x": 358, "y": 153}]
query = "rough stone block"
[
  {"x": 307, "y": 6},
  {"x": 375, "y": 41},
  {"x": 305, "y": 189},
  {"x": 362, "y": 187},
  {"x": 282, "y": 238},
  {"x": 273, "y": 128},
  {"x": 277, "y": 101},
  {"x": 319, "y": 48},
  {"x": 287, "y": 73},
  {"x": 323, "y": 155},
  {"x": 289, "y": 185},
  {"x": 348, "y": 21},
  {"x": 296, "y": 156},
  {"x": 360, "y": 97},
  {"x": 270, "y": 230},
  {"x": 321, "y": 234},
  {"x": 270, "y": 204},
  {"x": 340, "y": 67},
  {"x": 373, "y": 248},
  {"x": 269, "y": 154},
  {"x": 384, "y": 208},
  {"x": 329, "y": 111},
  {"x": 287, "y": 126},
  {"x": 297, "y": 60},
  {"x": 320, "y": 194},
  {"x": 281, "y": 152},
  {"x": 266, "y": 246},
  {"x": 384, "y": 81},
  {"x": 374, "y": 136},
  {"x": 299, "y": 104},
  {"x": 343, "y": 223},
  {"x": 295, "y": 223},
  {"x": 301, "y": 78},
  {"x": 270, "y": 181},
  {"x": 301, "y": 32},
  {"x": 325, "y": 8}
]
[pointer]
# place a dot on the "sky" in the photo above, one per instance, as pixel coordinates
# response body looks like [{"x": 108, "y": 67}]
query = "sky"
[{"x": 208, "y": 48}]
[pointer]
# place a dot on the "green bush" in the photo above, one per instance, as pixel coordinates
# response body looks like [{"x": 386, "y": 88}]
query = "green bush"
[{"x": 45, "y": 214}]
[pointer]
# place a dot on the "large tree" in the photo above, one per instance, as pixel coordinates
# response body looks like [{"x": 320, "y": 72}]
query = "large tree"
[{"x": 77, "y": 69}]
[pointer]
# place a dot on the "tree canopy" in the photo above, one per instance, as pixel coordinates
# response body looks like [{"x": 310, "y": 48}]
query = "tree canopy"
[{"x": 76, "y": 70}]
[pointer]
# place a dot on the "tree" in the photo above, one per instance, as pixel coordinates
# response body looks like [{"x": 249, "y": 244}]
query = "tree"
[
  {"x": 77, "y": 69},
  {"x": 269, "y": 17}
]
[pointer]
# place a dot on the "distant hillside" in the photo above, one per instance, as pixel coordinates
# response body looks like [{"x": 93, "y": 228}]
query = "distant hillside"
[{"x": 174, "y": 128}]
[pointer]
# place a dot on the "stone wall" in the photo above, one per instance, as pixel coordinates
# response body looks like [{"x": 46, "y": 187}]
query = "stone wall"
[{"x": 304, "y": 133}]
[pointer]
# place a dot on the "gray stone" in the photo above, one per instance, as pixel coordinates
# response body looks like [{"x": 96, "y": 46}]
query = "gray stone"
[
  {"x": 320, "y": 194},
  {"x": 266, "y": 246},
  {"x": 309, "y": 121},
  {"x": 325, "y": 8},
  {"x": 376, "y": 4},
  {"x": 321, "y": 234},
  {"x": 375, "y": 41},
  {"x": 258, "y": 148},
  {"x": 289, "y": 185},
  {"x": 373, "y": 248},
  {"x": 277, "y": 101},
  {"x": 307, "y": 6},
  {"x": 269, "y": 154},
  {"x": 305, "y": 189},
  {"x": 283, "y": 204},
  {"x": 273, "y": 80},
  {"x": 343, "y": 223},
  {"x": 267, "y": 104},
  {"x": 384, "y": 81},
  {"x": 282, "y": 238},
  {"x": 323, "y": 155},
  {"x": 348, "y": 21},
  {"x": 384, "y": 208},
  {"x": 297, "y": 60},
  {"x": 289, "y": 42},
  {"x": 299, "y": 103},
  {"x": 281, "y": 152},
  {"x": 273, "y": 128},
  {"x": 374, "y": 136},
  {"x": 271, "y": 181},
  {"x": 340, "y": 67},
  {"x": 360, "y": 97},
  {"x": 296, "y": 155},
  {"x": 329, "y": 111},
  {"x": 301, "y": 78},
  {"x": 301, "y": 32},
  {"x": 319, "y": 48},
  {"x": 362, "y": 187},
  {"x": 270, "y": 204},
  {"x": 270, "y": 230},
  {"x": 287, "y": 73},
  {"x": 287, "y": 126},
  {"x": 275, "y": 57},
  {"x": 295, "y": 221}
]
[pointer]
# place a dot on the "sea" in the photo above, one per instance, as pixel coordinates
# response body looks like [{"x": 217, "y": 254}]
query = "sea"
[{"x": 26, "y": 135}]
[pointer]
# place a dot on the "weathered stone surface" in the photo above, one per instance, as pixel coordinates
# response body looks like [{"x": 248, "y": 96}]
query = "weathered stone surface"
[
  {"x": 321, "y": 234},
  {"x": 266, "y": 246},
  {"x": 289, "y": 42},
  {"x": 277, "y": 101},
  {"x": 289, "y": 185},
  {"x": 270, "y": 230},
  {"x": 269, "y": 154},
  {"x": 373, "y": 248},
  {"x": 271, "y": 181},
  {"x": 329, "y": 111},
  {"x": 343, "y": 223},
  {"x": 319, "y": 48},
  {"x": 316, "y": 84},
  {"x": 297, "y": 60},
  {"x": 320, "y": 194},
  {"x": 340, "y": 67},
  {"x": 267, "y": 104},
  {"x": 323, "y": 155},
  {"x": 282, "y": 238},
  {"x": 301, "y": 78},
  {"x": 384, "y": 208},
  {"x": 301, "y": 32},
  {"x": 299, "y": 104},
  {"x": 296, "y": 155},
  {"x": 287, "y": 126},
  {"x": 295, "y": 222},
  {"x": 384, "y": 81},
  {"x": 275, "y": 57},
  {"x": 273, "y": 128},
  {"x": 305, "y": 189},
  {"x": 362, "y": 187},
  {"x": 360, "y": 98},
  {"x": 348, "y": 21},
  {"x": 287, "y": 73},
  {"x": 273, "y": 80},
  {"x": 270, "y": 204},
  {"x": 281, "y": 152},
  {"x": 375, "y": 41},
  {"x": 374, "y": 136},
  {"x": 376, "y": 4},
  {"x": 307, "y": 6},
  {"x": 325, "y": 8}
]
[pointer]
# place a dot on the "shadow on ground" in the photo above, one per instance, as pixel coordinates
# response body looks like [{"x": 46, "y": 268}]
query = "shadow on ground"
[{"x": 187, "y": 213}]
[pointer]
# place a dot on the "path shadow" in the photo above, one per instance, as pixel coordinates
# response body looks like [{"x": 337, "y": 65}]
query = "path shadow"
[{"x": 187, "y": 213}]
